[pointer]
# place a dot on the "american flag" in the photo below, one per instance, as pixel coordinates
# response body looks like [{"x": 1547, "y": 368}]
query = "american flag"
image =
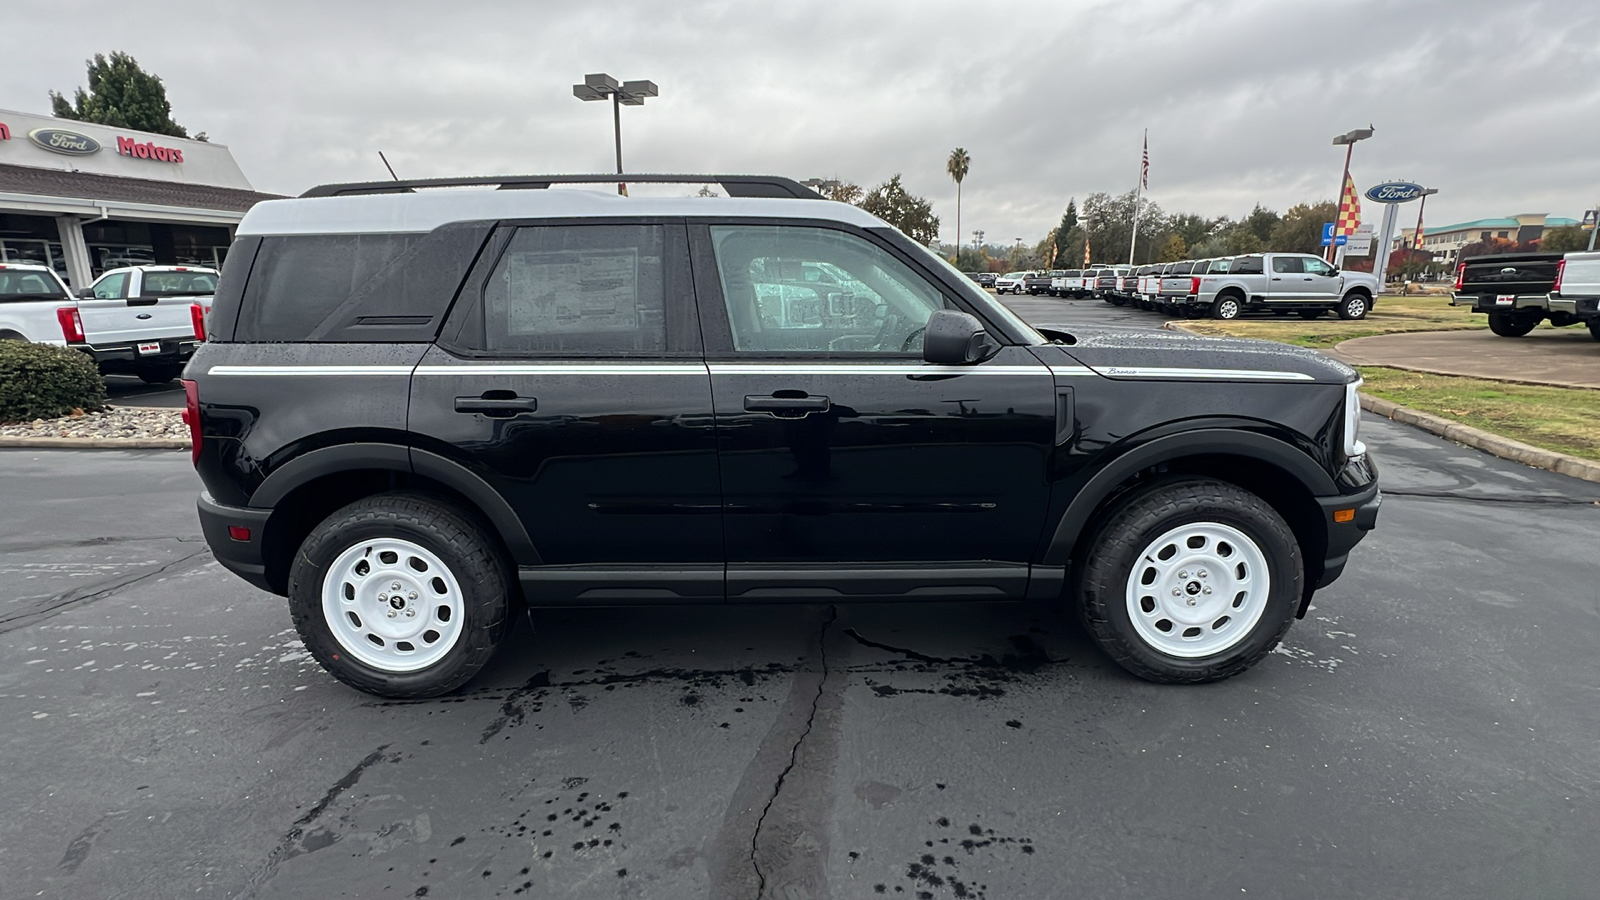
[{"x": 1144, "y": 167}]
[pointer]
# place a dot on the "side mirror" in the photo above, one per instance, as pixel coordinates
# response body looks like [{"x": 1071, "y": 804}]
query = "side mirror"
[
  {"x": 954, "y": 338},
  {"x": 86, "y": 293}
]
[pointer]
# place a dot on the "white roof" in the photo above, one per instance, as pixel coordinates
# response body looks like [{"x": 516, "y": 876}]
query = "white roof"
[{"x": 428, "y": 209}]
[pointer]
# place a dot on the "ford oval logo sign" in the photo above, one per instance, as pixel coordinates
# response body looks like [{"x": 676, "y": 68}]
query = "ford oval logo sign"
[
  {"x": 1394, "y": 192},
  {"x": 60, "y": 140}
]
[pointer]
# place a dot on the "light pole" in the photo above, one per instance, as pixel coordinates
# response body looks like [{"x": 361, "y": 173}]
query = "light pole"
[
  {"x": 977, "y": 243},
  {"x": 1014, "y": 251},
  {"x": 629, "y": 93},
  {"x": 1348, "y": 140},
  {"x": 821, "y": 185}
]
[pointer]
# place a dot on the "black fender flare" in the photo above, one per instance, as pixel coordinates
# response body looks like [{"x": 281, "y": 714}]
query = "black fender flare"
[
  {"x": 394, "y": 457},
  {"x": 1206, "y": 441}
]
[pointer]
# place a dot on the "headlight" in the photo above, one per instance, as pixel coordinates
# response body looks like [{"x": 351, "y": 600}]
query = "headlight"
[{"x": 1352, "y": 420}]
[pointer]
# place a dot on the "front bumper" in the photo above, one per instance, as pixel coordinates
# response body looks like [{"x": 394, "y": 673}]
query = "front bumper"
[
  {"x": 1360, "y": 511},
  {"x": 243, "y": 558}
]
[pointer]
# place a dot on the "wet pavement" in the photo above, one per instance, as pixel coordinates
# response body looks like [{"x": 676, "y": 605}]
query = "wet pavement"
[{"x": 1427, "y": 731}]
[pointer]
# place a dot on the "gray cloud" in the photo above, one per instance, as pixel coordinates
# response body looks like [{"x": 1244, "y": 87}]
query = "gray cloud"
[{"x": 1496, "y": 104}]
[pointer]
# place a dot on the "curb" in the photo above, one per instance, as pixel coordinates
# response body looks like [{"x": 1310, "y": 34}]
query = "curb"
[
  {"x": 1488, "y": 442},
  {"x": 60, "y": 443}
]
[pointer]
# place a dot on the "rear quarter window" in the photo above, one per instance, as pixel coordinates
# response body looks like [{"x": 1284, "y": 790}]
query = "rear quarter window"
[{"x": 355, "y": 288}]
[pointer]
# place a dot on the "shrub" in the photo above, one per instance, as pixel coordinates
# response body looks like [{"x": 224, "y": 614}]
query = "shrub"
[{"x": 38, "y": 381}]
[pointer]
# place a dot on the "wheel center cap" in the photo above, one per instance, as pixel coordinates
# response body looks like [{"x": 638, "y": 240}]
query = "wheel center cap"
[
  {"x": 1192, "y": 587},
  {"x": 399, "y": 602}
]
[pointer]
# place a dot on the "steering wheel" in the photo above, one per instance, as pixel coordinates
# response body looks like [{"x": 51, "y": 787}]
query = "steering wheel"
[{"x": 915, "y": 337}]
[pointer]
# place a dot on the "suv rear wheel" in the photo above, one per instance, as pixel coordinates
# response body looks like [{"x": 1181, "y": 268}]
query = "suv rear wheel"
[
  {"x": 399, "y": 595},
  {"x": 1191, "y": 581}
]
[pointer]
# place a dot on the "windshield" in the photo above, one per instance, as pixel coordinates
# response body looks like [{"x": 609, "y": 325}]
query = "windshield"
[
  {"x": 983, "y": 301},
  {"x": 25, "y": 284}
]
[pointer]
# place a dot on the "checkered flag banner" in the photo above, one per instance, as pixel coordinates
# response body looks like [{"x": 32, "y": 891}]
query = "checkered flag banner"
[
  {"x": 1416, "y": 243},
  {"x": 1349, "y": 209},
  {"x": 1086, "y": 252}
]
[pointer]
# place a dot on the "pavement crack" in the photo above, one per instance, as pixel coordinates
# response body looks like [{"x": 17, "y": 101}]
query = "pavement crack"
[
  {"x": 1532, "y": 500},
  {"x": 910, "y": 654},
  {"x": 77, "y": 596},
  {"x": 794, "y": 753},
  {"x": 286, "y": 849}
]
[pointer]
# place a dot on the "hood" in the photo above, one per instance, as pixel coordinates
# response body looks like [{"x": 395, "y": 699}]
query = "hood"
[{"x": 1143, "y": 354}]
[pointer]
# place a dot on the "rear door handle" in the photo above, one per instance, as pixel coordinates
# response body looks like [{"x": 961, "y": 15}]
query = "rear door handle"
[
  {"x": 504, "y": 406},
  {"x": 786, "y": 405}
]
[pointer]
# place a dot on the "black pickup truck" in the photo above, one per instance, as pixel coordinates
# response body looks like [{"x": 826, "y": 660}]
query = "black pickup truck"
[
  {"x": 1513, "y": 289},
  {"x": 1039, "y": 282}
]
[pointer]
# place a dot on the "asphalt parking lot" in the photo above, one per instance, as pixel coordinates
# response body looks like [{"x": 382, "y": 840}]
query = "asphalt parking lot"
[
  {"x": 1427, "y": 731},
  {"x": 128, "y": 390}
]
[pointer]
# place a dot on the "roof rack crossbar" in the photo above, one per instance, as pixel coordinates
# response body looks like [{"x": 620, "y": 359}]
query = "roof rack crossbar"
[{"x": 767, "y": 186}]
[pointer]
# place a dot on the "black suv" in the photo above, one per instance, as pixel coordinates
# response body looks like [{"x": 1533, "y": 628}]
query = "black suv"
[{"x": 420, "y": 409}]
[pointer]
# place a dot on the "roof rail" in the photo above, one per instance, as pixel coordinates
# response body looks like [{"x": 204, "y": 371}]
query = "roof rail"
[{"x": 767, "y": 186}]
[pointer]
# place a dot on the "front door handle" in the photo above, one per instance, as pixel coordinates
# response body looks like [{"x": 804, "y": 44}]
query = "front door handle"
[
  {"x": 497, "y": 404},
  {"x": 786, "y": 405}
]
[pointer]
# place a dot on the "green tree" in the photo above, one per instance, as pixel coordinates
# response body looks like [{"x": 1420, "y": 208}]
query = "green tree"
[
  {"x": 121, "y": 94},
  {"x": 1262, "y": 222},
  {"x": 1108, "y": 223},
  {"x": 911, "y": 214},
  {"x": 1240, "y": 239},
  {"x": 844, "y": 192},
  {"x": 1173, "y": 248},
  {"x": 1300, "y": 229},
  {"x": 1192, "y": 228},
  {"x": 957, "y": 165},
  {"x": 1565, "y": 239},
  {"x": 1069, "y": 238}
]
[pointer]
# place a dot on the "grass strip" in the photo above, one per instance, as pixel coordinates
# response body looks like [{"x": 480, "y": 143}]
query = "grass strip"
[{"x": 1566, "y": 420}]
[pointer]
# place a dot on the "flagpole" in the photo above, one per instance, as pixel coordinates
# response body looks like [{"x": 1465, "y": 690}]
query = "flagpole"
[
  {"x": 1138, "y": 189},
  {"x": 1348, "y": 149}
]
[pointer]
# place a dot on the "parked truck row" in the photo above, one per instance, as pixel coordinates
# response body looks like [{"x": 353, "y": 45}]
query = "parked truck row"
[{"x": 138, "y": 320}]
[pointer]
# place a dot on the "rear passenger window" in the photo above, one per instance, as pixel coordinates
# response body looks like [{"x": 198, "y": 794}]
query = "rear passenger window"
[{"x": 575, "y": 289}]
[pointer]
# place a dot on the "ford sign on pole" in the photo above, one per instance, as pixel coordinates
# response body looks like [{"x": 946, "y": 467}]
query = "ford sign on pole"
[{"x": 1394, "y": 192}]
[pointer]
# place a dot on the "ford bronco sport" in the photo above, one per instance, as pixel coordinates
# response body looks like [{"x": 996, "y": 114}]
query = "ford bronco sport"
[{"x": 420, "y": 409}]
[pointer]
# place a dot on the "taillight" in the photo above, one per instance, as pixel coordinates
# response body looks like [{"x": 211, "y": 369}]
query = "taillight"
[
  {"x": 197, "y": 316},
  {"x": 1194, "y": 285},
  {"x": 71, "y": 324},
  {"x": 1461, "y": 274},
  {"x": 191, "y": 417},
  {"x": 1561, "y": 269}
]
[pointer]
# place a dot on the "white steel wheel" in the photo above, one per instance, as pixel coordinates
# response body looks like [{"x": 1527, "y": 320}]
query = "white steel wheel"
[
  {"x": 392, "y": 604},
  {"x": 1227, "y": 308},
  {"x": 1355, "y": 306},
  {"x": 1198, "y": 590}
]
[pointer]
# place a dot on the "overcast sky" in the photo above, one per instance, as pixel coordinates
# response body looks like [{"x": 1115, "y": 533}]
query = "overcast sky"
[{"x": 1494, "y": 102}]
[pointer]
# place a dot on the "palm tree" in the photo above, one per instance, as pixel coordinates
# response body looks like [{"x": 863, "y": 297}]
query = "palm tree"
[{"x": 957, "y": 167}]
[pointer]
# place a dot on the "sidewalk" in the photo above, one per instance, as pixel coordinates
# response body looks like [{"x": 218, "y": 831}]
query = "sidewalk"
[{"x": 1562, "y": 357}]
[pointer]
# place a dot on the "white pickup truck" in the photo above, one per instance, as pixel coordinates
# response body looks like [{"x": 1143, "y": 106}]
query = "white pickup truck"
[
  {"x": 1282, "y": 282},
  {"x": 140, "y": 320}
]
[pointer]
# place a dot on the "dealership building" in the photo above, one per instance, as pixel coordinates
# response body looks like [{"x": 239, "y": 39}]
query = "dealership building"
[
  {"x": 84, "y": 198},
  {"x": 1445, "y": 242}
]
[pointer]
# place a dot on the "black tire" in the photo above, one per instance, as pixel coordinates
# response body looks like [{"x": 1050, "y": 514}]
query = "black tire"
[
  {"x": 1510, "y": 324},
  {"x": 1227, "y": 307},
  {"x": 1594, "y": 329},
  {"x": 1355, "y": 305},
  {"x": 1147, "y": 515},
  {"x": 159, "y": 374},
  {"x": 443, "y": 531},
  {"x": 1312, "y": 313}
]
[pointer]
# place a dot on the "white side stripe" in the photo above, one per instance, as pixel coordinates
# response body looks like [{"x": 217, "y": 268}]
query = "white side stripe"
[
  {"x": 309, "y": 370},
  {"x": 858, "y": 369},
  {"x": 579, "y": 369},
  {"x": 1202, "y": 374}
]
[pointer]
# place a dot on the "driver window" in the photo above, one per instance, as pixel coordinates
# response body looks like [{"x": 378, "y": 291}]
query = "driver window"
[
  {"x": 792, "y": 289},
  {"x": 1316, "y": 267},
  {"x": 110, "y": 287}
]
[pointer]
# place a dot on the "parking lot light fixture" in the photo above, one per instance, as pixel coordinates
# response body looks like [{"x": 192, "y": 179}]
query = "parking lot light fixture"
[
  {"x": 1348, "y": 141},
  {"x": 628, "y": 93}
]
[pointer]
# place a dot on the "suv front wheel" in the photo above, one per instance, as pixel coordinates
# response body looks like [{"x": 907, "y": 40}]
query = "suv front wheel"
[
  {"x": 399, "y": 595},
  {"x": 1191, "y": 581}
]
